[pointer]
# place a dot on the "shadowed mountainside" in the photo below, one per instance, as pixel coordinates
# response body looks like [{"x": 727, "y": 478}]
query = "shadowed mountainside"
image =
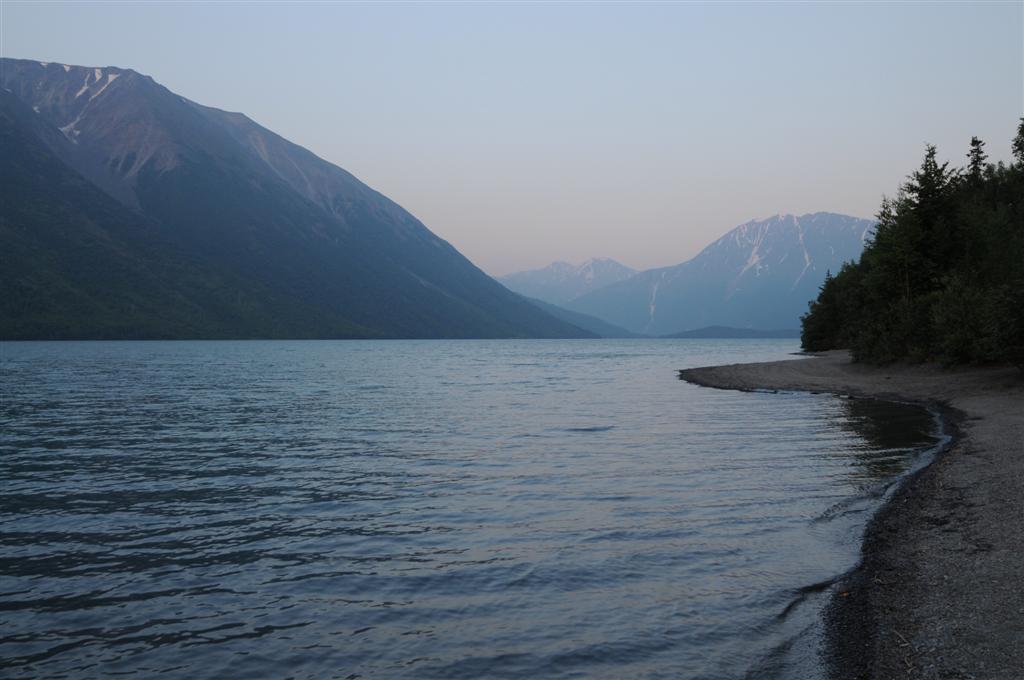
[{"x": 212, "y": 218}]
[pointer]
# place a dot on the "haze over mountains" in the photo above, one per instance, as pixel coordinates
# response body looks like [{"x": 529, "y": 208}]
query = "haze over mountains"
[
  {"x": 561, "y": 282},
  {"x": 759, "y": 275},
  {"x": 130, "y": 211}
]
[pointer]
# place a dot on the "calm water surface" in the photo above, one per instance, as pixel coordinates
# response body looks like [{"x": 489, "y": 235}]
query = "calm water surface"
[{"x": 424, "y": 509}]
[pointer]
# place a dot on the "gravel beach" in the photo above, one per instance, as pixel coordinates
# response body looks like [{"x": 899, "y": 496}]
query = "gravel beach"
[{"x": 939, "y": 592}]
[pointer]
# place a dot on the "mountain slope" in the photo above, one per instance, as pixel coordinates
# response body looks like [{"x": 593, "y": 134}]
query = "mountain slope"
[
  {"x": 76, "y": 263},
  {"x": 598, "y": 327},
  {"x": 759, "y": 275},
  {"x": 561, "y": 282},
  {"x": 266, "y": 215}
]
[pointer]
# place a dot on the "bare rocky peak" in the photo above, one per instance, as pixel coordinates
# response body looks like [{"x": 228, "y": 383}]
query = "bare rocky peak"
[
  {"x": 121, "y": 123},
  {"x": 562, "y": 282}
]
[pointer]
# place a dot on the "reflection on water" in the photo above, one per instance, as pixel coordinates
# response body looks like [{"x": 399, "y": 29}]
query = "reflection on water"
[
  {"x": 884, "y": 431},
  {"x": 423, "y": 509},
  {"x": 882, "y": 424}
]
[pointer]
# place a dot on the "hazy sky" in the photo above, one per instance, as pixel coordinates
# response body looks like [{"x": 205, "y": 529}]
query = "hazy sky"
[{"x": 525, "y": 133}]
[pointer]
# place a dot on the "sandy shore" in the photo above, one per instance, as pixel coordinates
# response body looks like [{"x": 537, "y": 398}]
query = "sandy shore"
[{"x": 940, "y": 590}]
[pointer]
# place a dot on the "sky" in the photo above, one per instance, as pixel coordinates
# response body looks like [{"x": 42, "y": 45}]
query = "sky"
[{"x": 525, "y": 133}]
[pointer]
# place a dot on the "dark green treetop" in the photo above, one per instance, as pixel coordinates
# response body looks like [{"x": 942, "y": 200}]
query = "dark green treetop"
[
  {"x": 1018, "y": 143},
  {"x": 976, "y": 159},
  {"x": 942, "y": 278}
]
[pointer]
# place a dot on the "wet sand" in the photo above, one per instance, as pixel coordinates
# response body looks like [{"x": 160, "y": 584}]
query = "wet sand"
[{"x": 940, "y": 589}]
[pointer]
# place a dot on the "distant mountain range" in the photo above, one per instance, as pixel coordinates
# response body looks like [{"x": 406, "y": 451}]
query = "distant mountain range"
[
  {"x": 722, "y": 332},
  {"x": 599, "y": 327},
  {"x": 760, "y": 275},
  {"x": 561, "y": 282},
  {"x": 132, "y": 212}
]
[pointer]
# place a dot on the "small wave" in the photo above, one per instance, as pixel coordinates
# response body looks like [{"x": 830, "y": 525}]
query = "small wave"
[{"x": 802, "y": 593}]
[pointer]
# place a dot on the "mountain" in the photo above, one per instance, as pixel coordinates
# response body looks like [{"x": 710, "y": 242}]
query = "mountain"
[
  {"x": 735, "y": 333},
  {"x": 130, "y": 211},
  {"x": 759, "y": 275},
  {"x": 561, "y": 282},
  {"x": 76, "y": 263},
  {"x": 598, "y": 327}
]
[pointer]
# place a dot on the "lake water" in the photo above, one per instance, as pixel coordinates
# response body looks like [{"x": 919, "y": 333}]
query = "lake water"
[{"x": 424, "y": 509}]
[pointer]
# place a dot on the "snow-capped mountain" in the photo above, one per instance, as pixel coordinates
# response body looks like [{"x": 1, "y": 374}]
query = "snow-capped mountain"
[
  {"x": 131, "y": 211},
  {"x": 759, "y": 275},
  {"x": 561, "y": 282}
]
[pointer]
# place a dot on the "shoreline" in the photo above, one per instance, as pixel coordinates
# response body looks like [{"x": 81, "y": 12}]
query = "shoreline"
[{"x": 937, "y": 592}]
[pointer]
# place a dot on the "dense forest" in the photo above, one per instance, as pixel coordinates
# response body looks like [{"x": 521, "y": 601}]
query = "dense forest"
[{"x": 943, "y": 276}]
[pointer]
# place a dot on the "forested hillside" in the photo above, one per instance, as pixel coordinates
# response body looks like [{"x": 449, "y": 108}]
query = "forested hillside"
[{"x": 943, "y": 277}]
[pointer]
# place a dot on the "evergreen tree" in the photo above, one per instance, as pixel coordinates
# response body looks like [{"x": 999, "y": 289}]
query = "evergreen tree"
[
  {"x": 976, "y": 160},
  {"x": 943, "y": 276},
  {"x": 1018, "y": 143},
  {"x": 928, "y": 187}
]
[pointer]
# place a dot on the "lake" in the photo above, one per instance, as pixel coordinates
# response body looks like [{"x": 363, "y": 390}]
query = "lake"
[{"x": 425, "y": 509}]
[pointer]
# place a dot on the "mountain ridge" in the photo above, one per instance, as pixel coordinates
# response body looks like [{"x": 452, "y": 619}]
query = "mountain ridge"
[
  {"x": 262, "y": 212},
  {"x": 759, "y": 274},
  {"x": 561, "y": 282}
]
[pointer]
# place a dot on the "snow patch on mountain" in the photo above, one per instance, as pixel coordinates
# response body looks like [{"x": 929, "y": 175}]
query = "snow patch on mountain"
[
  {"x": 69, "y": 130},
  {"x": 807, "y": 256},
  {"x": 561, "y": 282},
  {"x": 758, "y": 275},
  {"x": 653, "y": 305},
  {"x": 111, "y": 77},
  {"x": 84, "y": 88}
]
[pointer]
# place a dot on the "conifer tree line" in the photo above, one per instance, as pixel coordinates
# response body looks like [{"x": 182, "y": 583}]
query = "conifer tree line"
[{"x": 942, "y": 277}]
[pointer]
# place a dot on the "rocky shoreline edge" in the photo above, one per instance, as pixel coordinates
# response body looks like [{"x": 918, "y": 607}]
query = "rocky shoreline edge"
[{"x": 939, "y": 591}]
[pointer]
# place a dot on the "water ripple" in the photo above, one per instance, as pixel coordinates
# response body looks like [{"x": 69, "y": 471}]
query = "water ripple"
[{"x": 422, "y": 509}]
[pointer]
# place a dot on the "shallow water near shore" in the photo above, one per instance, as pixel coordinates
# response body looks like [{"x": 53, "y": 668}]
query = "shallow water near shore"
[{"x": 422, "y": 509}]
